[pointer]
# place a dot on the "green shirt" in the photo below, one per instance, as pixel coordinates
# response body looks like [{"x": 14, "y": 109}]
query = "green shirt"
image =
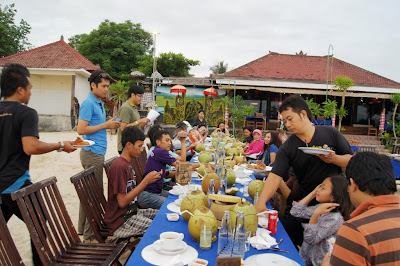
[{"x": 128, "y": 113}]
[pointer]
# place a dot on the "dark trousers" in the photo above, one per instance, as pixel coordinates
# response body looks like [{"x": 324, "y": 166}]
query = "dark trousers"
[
  {"x": 293, "y": 226},
  {"x": 10, "y": 208}
]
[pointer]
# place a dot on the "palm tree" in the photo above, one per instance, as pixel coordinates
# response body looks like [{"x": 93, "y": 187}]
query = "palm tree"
[
  {"x": 342, "y": 83},
  {"x": 219, "y": 68},
  {"x": 395, "y": 98},
  {"x": 118, "y": 93}
]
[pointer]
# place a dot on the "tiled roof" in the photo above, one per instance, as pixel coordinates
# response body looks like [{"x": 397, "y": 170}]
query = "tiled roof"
[
  {"x": 58, "y": 55},
  {"x": 301, "y": 67}
]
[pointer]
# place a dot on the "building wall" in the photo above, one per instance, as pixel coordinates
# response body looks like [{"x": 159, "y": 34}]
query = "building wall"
[{"x": 82, "y": 88}]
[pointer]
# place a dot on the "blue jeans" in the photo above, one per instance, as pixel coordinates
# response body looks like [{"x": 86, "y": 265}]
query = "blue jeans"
[{"x": 151, "y": 200}]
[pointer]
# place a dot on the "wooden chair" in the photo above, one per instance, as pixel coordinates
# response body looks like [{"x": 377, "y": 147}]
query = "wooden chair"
[
  {"x": 107, "y": 164},
  {"x": 9, "y": 255},
  {"x": 93, "y": 201},
  {"x": 250, "y": 124},
  {"x": 261, "y": 124},
  {"x": 371, "y": 130},
  {"x": 52, "y": 231},
  {"x": 396, "y": 149},
  {"x": 138, "y": 166},
  {"x": 361, "y": 148}
]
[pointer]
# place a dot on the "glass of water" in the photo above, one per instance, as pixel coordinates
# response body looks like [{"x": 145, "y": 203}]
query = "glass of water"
[
  {"x": 246, "y": 189},
  {"x": 205, "y": 238}
]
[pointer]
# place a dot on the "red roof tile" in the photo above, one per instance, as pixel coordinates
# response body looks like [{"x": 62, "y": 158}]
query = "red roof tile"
[
  {"x": 301, "y": 67},
  {"x": 57, "y": 55}
]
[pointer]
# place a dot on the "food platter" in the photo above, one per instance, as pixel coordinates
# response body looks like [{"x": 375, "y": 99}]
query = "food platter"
[
  {"x": 255, "y": 170},
  {"x": 91, "y": 142},
  {"x": 314, "y": 151}
]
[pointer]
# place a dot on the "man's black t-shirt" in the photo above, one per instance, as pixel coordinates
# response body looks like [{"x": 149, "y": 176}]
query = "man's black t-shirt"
[
  {"x": 16, "y": 121},
  {"x": 309, "y": 169}
]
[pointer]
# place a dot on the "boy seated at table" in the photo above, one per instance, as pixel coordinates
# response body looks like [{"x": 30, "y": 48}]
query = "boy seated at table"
[
  {"x": 153, "y": 195},
  {"x": 122, "y": 215}
]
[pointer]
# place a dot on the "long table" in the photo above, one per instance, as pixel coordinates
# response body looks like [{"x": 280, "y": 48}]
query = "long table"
[{"x": 160, "y": 224}]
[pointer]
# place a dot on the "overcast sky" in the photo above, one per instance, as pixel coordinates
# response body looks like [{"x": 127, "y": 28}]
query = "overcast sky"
[{"x": 363, "y": 33}]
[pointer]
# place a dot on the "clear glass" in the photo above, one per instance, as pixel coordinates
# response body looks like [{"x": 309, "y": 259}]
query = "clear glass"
[
  {"x": 246, "y": 189},
  {"x": 225, "y": 236},
  {"x": 205, "y": 238},
  {"x": 239, "y": 237},
  {"x": 247, "y": 245}
]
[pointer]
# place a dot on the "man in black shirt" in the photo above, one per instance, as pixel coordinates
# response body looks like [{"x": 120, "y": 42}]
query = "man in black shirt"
[
  {"x": 19, "y": 138},
  {"x": 311, "y": 170}
]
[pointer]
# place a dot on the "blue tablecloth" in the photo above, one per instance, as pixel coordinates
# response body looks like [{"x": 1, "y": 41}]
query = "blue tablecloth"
[
  {"x": 396, "y": 168},
  {"x": 161, "y": 224},
  {"x": 353, "y": 147}
]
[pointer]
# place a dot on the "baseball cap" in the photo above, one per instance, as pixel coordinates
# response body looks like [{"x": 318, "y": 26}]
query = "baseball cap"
[{"x": 181, "y": 125}]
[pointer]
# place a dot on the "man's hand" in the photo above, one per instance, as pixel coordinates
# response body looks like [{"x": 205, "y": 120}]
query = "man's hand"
[
  {"x": 111, "y": 124},
  {"x": 143, "y": 121},
  {"x": 152, "y": 177},
  {"x": 329, "y": 158},
  {"x": 68, "y": 146}
]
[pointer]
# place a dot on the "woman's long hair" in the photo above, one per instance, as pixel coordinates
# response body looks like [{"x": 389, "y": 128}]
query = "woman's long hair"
[
  {"x": 341, "y": 196},
  {"x": 274, "y": 140}
]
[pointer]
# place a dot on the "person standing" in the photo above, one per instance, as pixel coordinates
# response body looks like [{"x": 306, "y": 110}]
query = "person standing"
[
  {"x": 129, "y": 114},
  {"x": 310, "y": 170},
  {"x": 92, "y": 125},
  {"x": 19, "y": 139},
  {"x": 371, "y": 236},
  {"x": 200, "y": 121}
]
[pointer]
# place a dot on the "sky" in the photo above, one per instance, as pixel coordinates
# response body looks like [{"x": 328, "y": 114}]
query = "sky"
[{"x": 363, "y": 33}]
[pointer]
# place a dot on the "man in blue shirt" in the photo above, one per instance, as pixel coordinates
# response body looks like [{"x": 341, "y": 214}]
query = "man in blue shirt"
[{"x": 92, "y": 125}]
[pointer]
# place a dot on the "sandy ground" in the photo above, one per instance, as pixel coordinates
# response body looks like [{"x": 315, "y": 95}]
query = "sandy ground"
[{"x": 62, "y": 165}]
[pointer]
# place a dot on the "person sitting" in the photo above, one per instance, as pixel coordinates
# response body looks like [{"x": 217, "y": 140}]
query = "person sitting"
[
  {"x": 203, "y": 131},
  {"x": 371, "y": 236},
  {"x": 177, "y": 142},
  {"x": 257, "y": 145},
  {"x": 122, "y": 215},
  {"x": 153, "y": 195},
  {"x": 248, "y": 136},
  {"x": 221, "y": 127},
  {"x": 325, "y": 218},
  {"x": 271, "y": 146},
  {"x": 200, "y": 121}
]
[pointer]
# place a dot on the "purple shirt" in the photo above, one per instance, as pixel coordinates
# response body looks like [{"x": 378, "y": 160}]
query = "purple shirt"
[{"x": 158, "y": 160}]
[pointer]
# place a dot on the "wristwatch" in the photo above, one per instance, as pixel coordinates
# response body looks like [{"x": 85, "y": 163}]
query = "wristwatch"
[{"x": 61, "y": 147}]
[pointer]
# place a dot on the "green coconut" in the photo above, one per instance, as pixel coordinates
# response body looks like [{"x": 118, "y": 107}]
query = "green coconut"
[
  {"x": 205, "y": 157},
  {"x": 203, "y": 216},
  {"x": 254, "y": 187},
  {"x": 200, "y": 147},
  {"x": 202, "y": 169},
  {"x": 206, "y": 182},
  {"x": 231, "y": 178},
  {"x": 193, "y": 201},
  {"x": 250, "y": 217}
]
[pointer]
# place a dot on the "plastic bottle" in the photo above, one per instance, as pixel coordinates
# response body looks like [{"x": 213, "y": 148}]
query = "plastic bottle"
[
  {"x": 239, "y": 236},
  {"x": 211, "y": 190},
  {"x": 225, "y": 236}
]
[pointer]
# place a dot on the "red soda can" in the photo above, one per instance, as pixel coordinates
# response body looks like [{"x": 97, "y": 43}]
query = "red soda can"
[{"x": 272, "y": 221}]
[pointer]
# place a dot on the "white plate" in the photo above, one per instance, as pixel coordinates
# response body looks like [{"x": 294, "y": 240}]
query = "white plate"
[
  {"x": 178, "y": 202},
  {"x": 177, "y": 191},
  {"x": 269, "y": 259},
  {"x": 314, "y": 151},
  {"x": 153, "y": 257},
  {"x": 267, "y": 169},
  {"x": 91, "y": 142},
  {"x": 157, "y": 247},
  {"x": 173, "y": 207}
]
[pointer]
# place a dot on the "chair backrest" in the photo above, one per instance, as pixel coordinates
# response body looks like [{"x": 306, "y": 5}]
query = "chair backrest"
[
  {"x": 138, "y": 166},
  {"x": 361, "y": 148},
  {"x": 8, "y": 252},
  {"x": 107, "y": 164},
  {"x": 93, "y": 201},
  {"x": 396, "y": 149},
  {"x": 47, "y": 219},
  {"x": 259, "y": 114}
]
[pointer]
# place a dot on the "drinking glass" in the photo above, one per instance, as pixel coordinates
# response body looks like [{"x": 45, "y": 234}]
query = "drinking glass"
[
  {"x": 205, "y": 238},
  {"x": 246, "y": 189}
]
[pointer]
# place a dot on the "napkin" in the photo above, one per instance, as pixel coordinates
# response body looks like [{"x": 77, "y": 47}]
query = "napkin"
[
  {"x": 243, "y": 180},
  {"x": 262, "y": 240}
]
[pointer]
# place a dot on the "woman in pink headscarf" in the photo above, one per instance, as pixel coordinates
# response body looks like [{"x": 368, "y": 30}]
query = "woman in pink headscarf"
[{"x": 257, "y": 145}]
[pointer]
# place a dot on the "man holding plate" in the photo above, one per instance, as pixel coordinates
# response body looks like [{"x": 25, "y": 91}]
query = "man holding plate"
[{"x": 310, "y": 169}]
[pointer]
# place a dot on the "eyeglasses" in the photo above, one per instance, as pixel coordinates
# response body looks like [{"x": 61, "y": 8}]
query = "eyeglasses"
[{"x": 101, "y": 74}]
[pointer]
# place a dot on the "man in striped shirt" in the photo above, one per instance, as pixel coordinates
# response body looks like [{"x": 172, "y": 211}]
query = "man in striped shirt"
[{"x": 372, "y": 235}]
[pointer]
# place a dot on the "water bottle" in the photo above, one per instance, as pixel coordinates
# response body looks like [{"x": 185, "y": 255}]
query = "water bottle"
[
  {"x": 211, "y": 190},
  {"x": 225, "y": 236},
  {"x": 239, "y": 237},
  {"x": 224, "y": 181}
]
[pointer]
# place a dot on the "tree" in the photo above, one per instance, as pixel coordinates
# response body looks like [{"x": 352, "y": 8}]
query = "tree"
[
  {"x": 12, "y": 37},
  {"x": 342, "y": 83},
  {"x": 116, "y": 47},
  {"x": 118, "y": 93},
  {"x": 175, "y": 65},
  {"x": 219, "y": 68}
]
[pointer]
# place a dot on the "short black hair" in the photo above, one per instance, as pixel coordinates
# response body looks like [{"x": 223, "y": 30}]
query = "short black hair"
[
  {"x": 201, "y": 111},
  {"x": 372, "y": 172},
  {"x": 159, "y": 135},
  {"x": 96, "y": 77},
  {"x": 151, "y": 133},
  {"x": 249, "y": 128},
  {"x": 135, "y": 89},
  {"x": 297, "y": 104},
  {"x": 13, "y": 76},
  {"x": 131, "y": 134},
  {"x": 181, "y": 125}
]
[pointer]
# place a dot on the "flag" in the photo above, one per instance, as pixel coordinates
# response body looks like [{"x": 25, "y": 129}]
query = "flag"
[{"x": 382, "y": 120}]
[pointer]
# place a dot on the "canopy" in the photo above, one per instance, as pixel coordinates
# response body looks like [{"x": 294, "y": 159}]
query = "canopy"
[
  {"x": 178, "y": 89},
  {"x": 211, "y": 92}
]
